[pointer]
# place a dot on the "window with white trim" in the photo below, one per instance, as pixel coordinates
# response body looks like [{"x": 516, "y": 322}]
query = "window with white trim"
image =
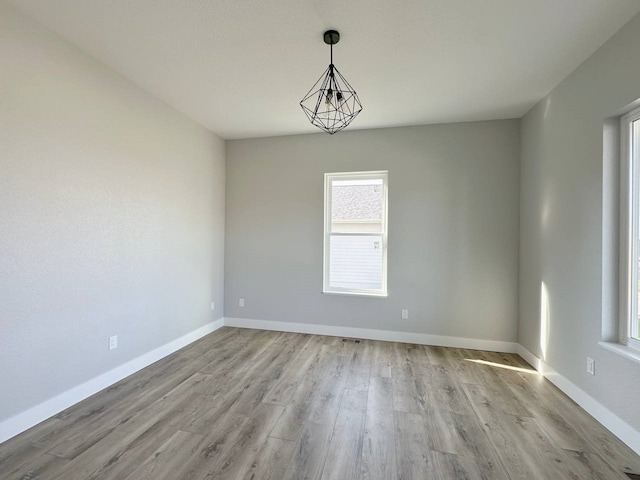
[
  {"x": 355, "y": 233},
  {"x": 630, "y": 229}
]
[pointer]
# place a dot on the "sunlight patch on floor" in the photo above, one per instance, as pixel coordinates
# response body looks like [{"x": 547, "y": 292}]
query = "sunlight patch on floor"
[{"x": 501, "y": 365}]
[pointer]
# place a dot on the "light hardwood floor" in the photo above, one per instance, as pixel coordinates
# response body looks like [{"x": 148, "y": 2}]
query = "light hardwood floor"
[{"x": 256, "y": 405}]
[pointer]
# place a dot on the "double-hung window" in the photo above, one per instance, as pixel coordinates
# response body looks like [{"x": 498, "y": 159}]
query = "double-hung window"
[
  {"x": 355, "y": 233},
  {"x": 630, "y": 229}
]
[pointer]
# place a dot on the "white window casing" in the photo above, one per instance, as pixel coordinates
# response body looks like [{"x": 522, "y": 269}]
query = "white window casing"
[
  {"x": 355, "y": 233},
  {"x": 629, "y": 228}
]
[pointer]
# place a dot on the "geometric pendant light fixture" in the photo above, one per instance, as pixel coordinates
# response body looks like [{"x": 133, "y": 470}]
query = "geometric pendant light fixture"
[{"x": 332, "y": 103}]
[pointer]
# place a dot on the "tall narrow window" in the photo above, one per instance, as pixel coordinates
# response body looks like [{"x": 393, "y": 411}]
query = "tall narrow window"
[
  {"x": 630, "y": 231},
  {"x": 355, "y": 233}
]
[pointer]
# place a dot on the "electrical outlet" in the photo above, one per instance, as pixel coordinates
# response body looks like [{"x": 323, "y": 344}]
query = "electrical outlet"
[
  {"x": 241, "y": 302},
  {"x": 213, "y": 306},
  {"x": 113, "y": 342},
  {"x": 405, "y": 314},
  {"x": 591, "y": 366}
]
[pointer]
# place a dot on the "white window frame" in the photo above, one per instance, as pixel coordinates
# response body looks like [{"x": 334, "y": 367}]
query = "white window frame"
[
  {"x": 328, "y": 179},
  {"x": 629, "y": 229}
]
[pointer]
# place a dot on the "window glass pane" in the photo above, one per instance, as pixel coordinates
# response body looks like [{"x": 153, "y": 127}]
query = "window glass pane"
[
  {"x": 355, "y": 262},
  {"x": 356, "y": 206}
]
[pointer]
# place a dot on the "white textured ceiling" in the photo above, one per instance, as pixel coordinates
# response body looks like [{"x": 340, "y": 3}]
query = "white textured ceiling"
[{"x": 240, "y": 67}]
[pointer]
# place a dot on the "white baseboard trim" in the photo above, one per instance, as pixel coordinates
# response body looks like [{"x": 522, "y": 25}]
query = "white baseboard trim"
[
  {"x": 27, "y": 419},
  {"x": 625, "y": 432},
  {"x": 532, "y": 360},
  {"x": 370, "y": 334}
]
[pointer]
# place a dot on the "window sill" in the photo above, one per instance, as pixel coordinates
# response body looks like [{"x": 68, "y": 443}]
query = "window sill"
[
  {"x": 357, "y": 294},
  {"x": 622, "y": 350}
]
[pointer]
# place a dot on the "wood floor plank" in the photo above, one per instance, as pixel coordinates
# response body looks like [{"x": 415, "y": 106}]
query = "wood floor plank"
[
  {"x": 445, "y": 391},
  {"x": 436, "y": 355},
  {"x": 498, "y": 397},
  {"x": 310, "y": 453},
  {"x": 326, "y": 404},
  {"x": 463, "y": 436},
  {"x": 206, "y": 412},
  {"x": 233, "y": 462},
  {"x": 409, "y": 390},
  {"x": 259, "y": 381},
  {"x": 347, "y": 347},
  {"x": 449, "y": 466},
  {"x": 506, "y": 399},
  {"x": 272, "y": 460},
  {"x": 464, "y": 370},
  {"x": 360, "y": 368},
  {"x": 381, "y": 359},
  {"x": 418, "y": 355},
  {"x": 284, "y": 389},
  {"x": 345, "y": 449},
  {"x": 239, "y": 369},
  {"x": 239, "y": 356},
  {"x": 206, "y": 456},
  {"x": 38, "y": 467},
  {"x": 591, "y": 466},
  {"x": 21, "y": 448},
  {"x": 379, "y": 445},
  {"x": 164, "y": 462},
  {"x": 414, "y": 459},
  {"x": 300, "y": 407}
]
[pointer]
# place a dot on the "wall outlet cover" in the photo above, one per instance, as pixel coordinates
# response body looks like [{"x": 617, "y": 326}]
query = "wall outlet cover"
[{"x": 591, "y": 366}]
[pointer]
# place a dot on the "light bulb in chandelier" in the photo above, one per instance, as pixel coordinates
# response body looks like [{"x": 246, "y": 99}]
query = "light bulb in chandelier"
[{"x": 328, "y": 97}]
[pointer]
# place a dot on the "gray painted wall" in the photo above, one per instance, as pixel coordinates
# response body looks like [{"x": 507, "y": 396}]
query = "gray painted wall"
[
  {"x": 569, "y": 222},
  {"x": 453, "y": 228},
  {"x": 111, "y": 218}
]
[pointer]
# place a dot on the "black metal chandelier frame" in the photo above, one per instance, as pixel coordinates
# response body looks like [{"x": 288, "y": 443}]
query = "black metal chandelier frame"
[{"x": 332, "y": 103}]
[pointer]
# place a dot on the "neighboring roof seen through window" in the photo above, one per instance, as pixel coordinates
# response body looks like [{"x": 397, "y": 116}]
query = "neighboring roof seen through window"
[{"x": 357, "y": 200}]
